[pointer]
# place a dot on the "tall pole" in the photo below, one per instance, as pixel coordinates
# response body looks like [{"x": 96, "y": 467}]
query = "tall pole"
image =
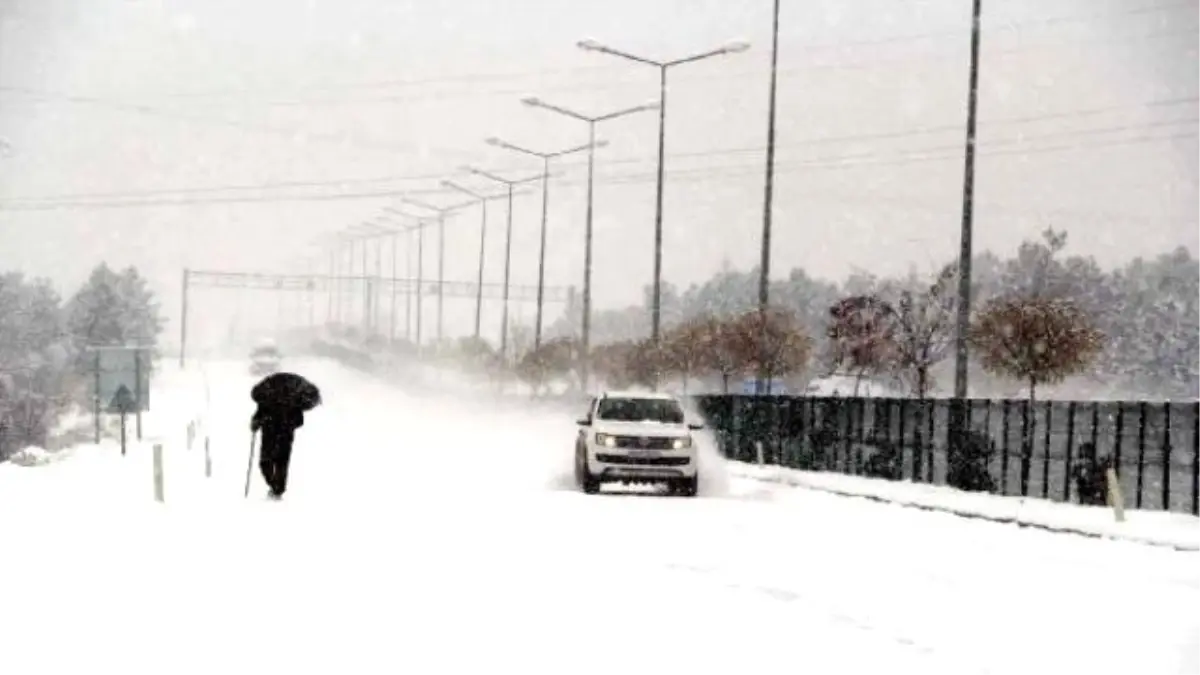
[
  {"x": 332, "y": 283},
  {"x": 507, "y": 266},
  {"x": 420, "y": 279},
  {"x": 408, "y": 296},
  {"x": 763, "y": 384},
  {"x": 537, "y": 330},
  {"x": 183, "y": 320},
  {"x": 366, "y": 299},
  {"x": 441, "y": 274},
  {"x": 392, "y": 312},
  {"x": 479, "y": 280},
  {"x": 545, "y": 177},
  {"x": 587, "y": 264},
  {"x": 376, "y": 284},
  {"x": 656, "y": 301},
  {"x": 585, "y": 325},
  {"x": 663, "y": 66},
  {"x": 959, "y": 422}
]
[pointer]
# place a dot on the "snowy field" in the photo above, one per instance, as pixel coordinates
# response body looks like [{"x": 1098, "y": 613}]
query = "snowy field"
[{"x": 440, "y": 538}]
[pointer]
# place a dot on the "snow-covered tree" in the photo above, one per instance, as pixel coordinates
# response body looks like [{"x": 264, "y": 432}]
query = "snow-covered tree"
[{"x": 113, "y": 309}]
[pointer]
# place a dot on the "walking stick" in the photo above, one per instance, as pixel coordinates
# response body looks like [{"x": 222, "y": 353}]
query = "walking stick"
[{"x": 250, "y": 463}]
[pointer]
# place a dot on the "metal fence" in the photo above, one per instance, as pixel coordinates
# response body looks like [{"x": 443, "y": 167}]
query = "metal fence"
[{"x": 1155, "y": 447}]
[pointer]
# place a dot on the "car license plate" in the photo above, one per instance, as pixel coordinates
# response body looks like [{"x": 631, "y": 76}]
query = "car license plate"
[{"x": 641, "y": 452}]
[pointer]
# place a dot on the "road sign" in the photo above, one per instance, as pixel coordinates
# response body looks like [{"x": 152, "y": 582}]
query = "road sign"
[
  {"x": 127, "y": 367},
  {"x": 122, "y": 402}
]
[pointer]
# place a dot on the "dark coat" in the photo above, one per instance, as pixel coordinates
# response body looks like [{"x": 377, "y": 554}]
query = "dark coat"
[{"x": 275, "y": 419}]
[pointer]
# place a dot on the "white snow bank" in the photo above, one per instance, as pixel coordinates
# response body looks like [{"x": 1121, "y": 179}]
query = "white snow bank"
[{"x": 1177, "y": 530}]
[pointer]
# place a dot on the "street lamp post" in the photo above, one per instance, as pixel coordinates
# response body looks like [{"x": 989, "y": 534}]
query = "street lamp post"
[
  {"x": 545, "y": 157},
  {"x": 587, "y": 249},
  {"x": 441, "y": 212},
  {"x": 510, "y": 184},
  {"x": 483, "y": 200},
  {"x": 419, "y": 228},
  {"x": 364, "y": 232},
  {"x": 663, "y": 66}
]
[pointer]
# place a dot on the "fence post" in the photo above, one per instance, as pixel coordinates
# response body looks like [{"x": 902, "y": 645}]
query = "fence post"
[
  {"x": 158, "y": 473},
  {"x": 1141, "y": 460},
  {"x": 1118, "y": 436},
  {"x": 1046, "y": 456},
  {"x": 1069, "y": 463},
  {"x": 1006, "y": 409},
  {"x": 1166, "y": 458},
  {"x": 1026, "y": 444},
  {"x": 207, "y": 460},
  {"x": 1196, "y": 459}
]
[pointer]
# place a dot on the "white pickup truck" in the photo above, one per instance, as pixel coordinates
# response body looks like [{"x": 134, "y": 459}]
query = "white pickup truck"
[{"x": 634, "y": 437}]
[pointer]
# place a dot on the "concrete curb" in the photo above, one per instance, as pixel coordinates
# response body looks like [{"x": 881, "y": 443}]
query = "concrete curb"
[{"x": 972, "y": 515}]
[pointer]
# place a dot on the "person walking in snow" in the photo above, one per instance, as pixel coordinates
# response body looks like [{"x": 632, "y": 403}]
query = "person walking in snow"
[
  {"x": 278, "y": 427},
  {"x": 282, "y": 400}
]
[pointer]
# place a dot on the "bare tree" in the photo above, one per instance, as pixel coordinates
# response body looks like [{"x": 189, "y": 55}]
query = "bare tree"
[
  {"x": 922, "y": 329},
  {"x": 861, "y": 333}
]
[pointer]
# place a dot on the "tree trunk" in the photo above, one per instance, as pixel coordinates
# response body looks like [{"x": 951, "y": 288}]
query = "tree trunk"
[
  {"x": 1028, "y": 424},
  {"x": 922, "y": 381}
]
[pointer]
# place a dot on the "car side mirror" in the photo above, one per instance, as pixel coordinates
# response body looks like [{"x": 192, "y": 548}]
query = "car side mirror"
[
  {"x": 583, "y": 422},
  {"x": 694, "y": 426}
]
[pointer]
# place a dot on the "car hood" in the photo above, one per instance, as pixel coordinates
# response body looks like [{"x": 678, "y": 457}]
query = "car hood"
[{"x": 640, "y": 429}]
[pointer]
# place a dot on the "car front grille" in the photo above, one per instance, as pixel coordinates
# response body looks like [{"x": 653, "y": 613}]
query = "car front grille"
[
  {"x": 646, "y": 442},
  {"x": 642, "y": 461}
]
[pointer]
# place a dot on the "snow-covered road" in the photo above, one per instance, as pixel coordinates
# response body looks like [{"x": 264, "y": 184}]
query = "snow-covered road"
[{"x": 437, "y": 540}]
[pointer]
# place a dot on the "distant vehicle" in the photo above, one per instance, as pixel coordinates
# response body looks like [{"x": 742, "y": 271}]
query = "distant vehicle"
[
  {"x": 636, "y": 438},
  {"x": 849, "y": 385},
  {"x": 265, "y": 358}
]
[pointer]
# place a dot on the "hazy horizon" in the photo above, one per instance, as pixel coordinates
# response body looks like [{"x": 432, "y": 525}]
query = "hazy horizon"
[{"x": 255, "y": 127}]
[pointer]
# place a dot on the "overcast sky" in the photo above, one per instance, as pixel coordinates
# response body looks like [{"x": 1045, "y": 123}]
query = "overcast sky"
[{"x": 253, "y": 126}]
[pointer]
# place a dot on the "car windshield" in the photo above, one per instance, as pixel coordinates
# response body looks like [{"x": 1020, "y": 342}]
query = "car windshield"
[{"x": 640, "y": 410}]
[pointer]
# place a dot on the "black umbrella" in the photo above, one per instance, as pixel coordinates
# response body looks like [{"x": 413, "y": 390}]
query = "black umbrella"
[{"x": 286, "y": 390}]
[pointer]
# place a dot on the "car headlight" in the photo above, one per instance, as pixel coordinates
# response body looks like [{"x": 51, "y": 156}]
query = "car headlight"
[
  {"x": 682, "y": 443},
  {"x": 606, "y": 440}
]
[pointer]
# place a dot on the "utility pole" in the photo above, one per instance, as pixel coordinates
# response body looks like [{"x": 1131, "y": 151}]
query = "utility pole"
[
  {"x": 591, "y": 121},
  {"x": 483, "y": 200},
  {"x": 441, "y": 212},
  {"x": 763, "y": 383},
  {"x": 545, "y": 157},
  {"x": 662, "y": 66},
  {"x": 510, "y": 184},
  {"x": 959, "y": 422}
]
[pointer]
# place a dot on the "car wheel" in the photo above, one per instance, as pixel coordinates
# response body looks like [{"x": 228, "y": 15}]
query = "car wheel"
[
  {"x": 687, "y": 487},
  {"x": 587, "y": 481}
]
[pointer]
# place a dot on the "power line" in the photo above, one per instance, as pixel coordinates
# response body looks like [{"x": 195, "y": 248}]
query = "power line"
[
  {"x": 567, "y": 164},
  {"x": 478, "y": 77},
  {"x": 872, "y": 64},
  {"x": 685, "y": 175}
]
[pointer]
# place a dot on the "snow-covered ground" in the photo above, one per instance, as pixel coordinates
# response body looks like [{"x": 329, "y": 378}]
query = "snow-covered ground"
[
  {"x": 442, "y": 538},
  {"x": 1150, "y": 527}
]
